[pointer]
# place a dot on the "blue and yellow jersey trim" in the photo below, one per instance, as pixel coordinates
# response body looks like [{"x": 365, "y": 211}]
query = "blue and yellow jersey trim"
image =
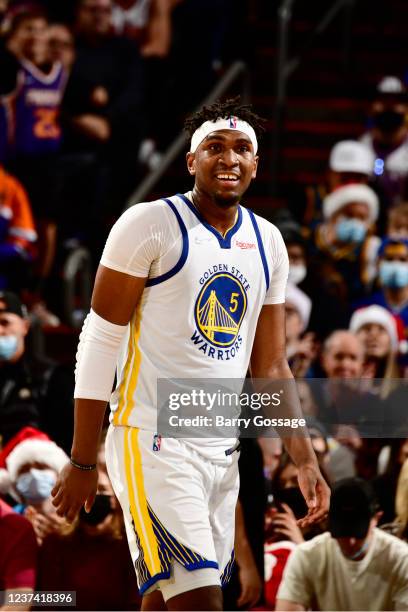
[{"x": 156, "y": 545}]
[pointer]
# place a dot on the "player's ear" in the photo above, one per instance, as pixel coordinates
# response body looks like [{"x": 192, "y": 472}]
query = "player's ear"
[
  {"x": 255, "y": 169},
  {"x": 190, "y": 157}
]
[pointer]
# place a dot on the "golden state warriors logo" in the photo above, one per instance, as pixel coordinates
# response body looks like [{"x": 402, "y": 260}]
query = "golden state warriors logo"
[{"x": 220, "y": 308}]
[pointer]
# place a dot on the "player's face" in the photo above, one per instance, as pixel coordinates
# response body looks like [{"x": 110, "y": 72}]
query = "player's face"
[{"x": 224, "y": 164}]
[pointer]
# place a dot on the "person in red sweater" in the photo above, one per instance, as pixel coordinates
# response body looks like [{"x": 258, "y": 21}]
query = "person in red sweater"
[{"x": 18, "y": 557}]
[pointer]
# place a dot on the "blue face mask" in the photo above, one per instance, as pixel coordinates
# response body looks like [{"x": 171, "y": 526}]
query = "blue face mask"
[
  {"x": 394, "y": 274},
  {"x": 8, "y": 347},
  {"x": 350, "y": 230},
  {"x": 359, "y": 552},
  {"x": 36, "y": 485}
]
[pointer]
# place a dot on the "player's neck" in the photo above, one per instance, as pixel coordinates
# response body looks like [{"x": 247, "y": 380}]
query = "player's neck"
[{"x": 220, "y": 216}]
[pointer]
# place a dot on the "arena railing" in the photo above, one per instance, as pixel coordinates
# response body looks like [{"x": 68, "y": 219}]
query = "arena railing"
[
  {"x": 237, "y": 70},
  {"x": 286, "y": 65}
]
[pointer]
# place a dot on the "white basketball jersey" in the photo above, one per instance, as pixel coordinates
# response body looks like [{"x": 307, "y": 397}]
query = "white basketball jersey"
[{"x": 198, "y": 313}]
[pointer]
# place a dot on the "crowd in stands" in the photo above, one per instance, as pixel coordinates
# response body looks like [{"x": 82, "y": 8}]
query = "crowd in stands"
[{"x": 80, "y": 122}]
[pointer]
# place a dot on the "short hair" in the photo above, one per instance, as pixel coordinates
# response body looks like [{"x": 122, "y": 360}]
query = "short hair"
[
  {"x": 24, "y": 13},
  {"x": 223, "y": 110},
  {"x": 327, "y": 344}
]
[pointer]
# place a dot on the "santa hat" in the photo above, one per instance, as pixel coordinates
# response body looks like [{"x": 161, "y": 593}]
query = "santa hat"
[
  {"x": 28, "y": 446},
  {"x": 340, "y": 197},
  {"x": 300, "y": 301},
  {"x": 380, "y": 316}
]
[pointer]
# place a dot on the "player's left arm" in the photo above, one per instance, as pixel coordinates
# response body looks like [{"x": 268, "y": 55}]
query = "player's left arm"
[{"x": 268, "y": 362}]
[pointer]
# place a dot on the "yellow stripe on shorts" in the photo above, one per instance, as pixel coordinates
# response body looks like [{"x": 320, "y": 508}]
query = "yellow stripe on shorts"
[
  {"x": 131, "y": 373},
  {"x": 138, "y": 501}
]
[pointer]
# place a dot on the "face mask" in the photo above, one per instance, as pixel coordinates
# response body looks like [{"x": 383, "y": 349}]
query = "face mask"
[
  {"x": 293, "y": 497},
  {"x": 359, "y": 552},
  {"x": 388, "y": 121},
  {"x": 8, "y": 347},
  {"x": 394, "y": 274},
  {"x": 99, "y": 511},
  {"x": 297, "y": 273},
  {"x": 350, "y": 230},
  {"x": 36, "y": 485}
]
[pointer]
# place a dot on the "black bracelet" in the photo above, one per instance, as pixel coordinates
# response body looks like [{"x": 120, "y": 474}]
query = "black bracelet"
[{"x": 80, "y": 466}]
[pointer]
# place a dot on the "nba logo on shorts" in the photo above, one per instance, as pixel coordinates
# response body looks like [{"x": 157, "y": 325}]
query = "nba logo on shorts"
[
  {"x": 233, "y": 122},
  {"x": 156, "y": 442}
]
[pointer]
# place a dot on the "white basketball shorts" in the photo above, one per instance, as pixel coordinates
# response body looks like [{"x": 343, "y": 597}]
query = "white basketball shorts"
[{"x": 178, "y": 506}]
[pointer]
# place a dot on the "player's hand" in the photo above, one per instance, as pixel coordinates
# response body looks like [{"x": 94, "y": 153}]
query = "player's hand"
[
  {"x": 285, "y": 523},
  {"x": 73, "y": 489},
  {"x": 316, "y": 493},
  {"x": 251, "y": 586}
]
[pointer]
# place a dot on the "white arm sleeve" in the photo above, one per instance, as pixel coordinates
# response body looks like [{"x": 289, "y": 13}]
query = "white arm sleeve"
[
  {"x": 278, "y": 263},
  {"x": 96, "y": 357}
]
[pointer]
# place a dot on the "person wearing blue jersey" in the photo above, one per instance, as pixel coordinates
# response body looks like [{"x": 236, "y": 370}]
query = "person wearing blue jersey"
[{"x": 170, "y": 270}]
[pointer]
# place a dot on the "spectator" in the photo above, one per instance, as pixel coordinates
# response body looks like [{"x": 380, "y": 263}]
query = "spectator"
[
  {"x": 38, "y": 136},
  {"x": 31, "y": 386},
  {"x": 345, "y": 408},
  {"x": 282, "y": 532},
  {"x": 343, "y": 239},
  {"x": 32, "y": 462},
  {"x": 349, "y": 162},
  {"x": 146, "y": 21},
  {"x": 149, "y": 23},
  {"x": 393, "y": 278},
  {"x": 91, "y": 556},
  {"x": 397, "y": 227},
  {"x": 102, "y": 114},
  {"x": 342, "y": 355},
  {"x": 307, "y": 274},
  {"x": 321, "y": 446},
  {"x": 18, "y": 557},
  {"x": 399, "y": 527},
  {"x": 385, "y": 484},
  {"x": 271, "y": 453},
  {"x": 388, "y": 140},
  {"x": 300, "y": 349},
  {"x": 377, "y": 330},
  {"x": 61, "y": 45},
  {"x": 38, "y": 102},
  {"x": 349, "y": 557},
  {"x": 17, "y": 234}
]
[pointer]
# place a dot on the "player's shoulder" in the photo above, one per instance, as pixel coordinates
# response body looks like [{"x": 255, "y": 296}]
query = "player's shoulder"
[
  {"x": 270, "y": 234},
  {"x": 154, "y": 211},
  {"x": 265, "y": 226}
]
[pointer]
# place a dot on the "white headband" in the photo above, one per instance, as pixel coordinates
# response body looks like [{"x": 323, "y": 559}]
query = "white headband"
[{"x": 232, "y": 123}]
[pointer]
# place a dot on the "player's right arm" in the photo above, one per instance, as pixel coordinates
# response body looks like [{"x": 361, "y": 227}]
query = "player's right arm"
[
  {"x": 138, "y": 243},
  {"x": 114, "y": 300}
]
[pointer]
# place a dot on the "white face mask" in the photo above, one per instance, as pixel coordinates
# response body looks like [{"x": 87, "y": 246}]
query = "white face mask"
[{"x": 297, "y": 272}]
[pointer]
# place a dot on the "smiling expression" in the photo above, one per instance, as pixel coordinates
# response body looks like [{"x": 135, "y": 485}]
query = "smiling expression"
[{"x": 224, "y": 165}]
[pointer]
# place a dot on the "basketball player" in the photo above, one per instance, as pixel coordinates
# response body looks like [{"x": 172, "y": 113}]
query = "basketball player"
[{"x": 162, "y": 262}]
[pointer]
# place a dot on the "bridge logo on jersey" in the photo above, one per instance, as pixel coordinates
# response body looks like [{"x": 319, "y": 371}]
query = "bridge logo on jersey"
[{"x": 220, "y": 309}]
